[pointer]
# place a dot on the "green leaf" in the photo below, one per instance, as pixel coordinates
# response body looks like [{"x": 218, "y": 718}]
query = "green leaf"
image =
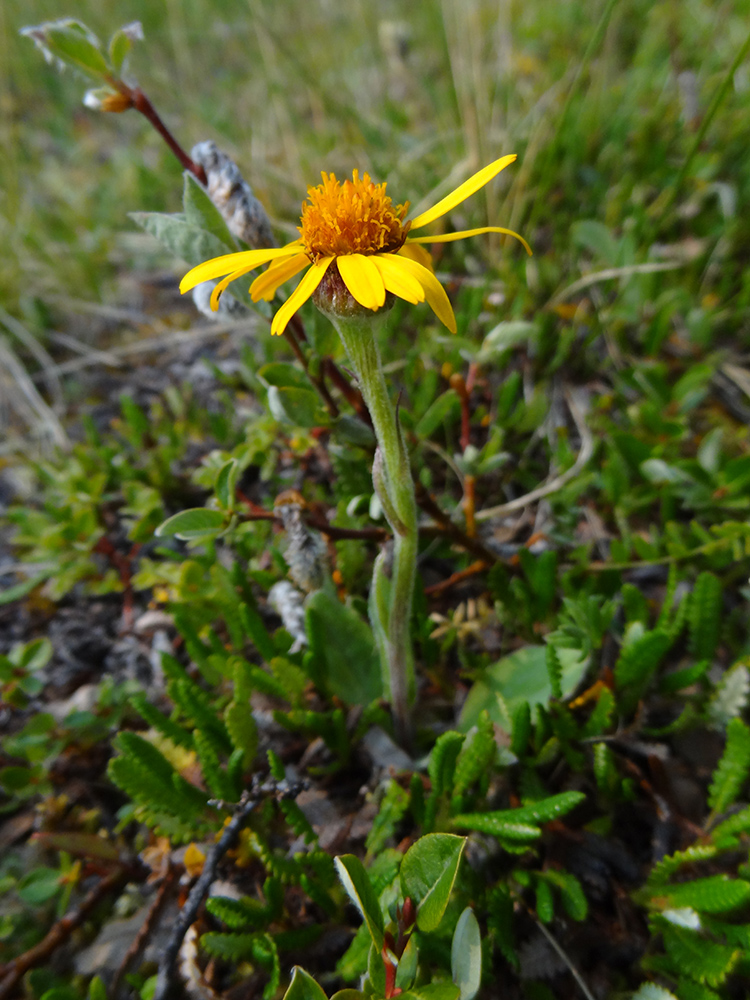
[
  {"x": 226, "y": 480},
  {"x": 357, "y": 883},
  {"x": 343, "y": 648},
  {"x": 705, "y": 616},
  {"x": 715, "y": 894},
  {"x": 284, "y": 375},
  {"x": 119, "y": 46},
  {"x": 637, "y": 663},
  {"x": 97, "y": 989},
  {"x": 428, "y": 873},
  {"x": 733, "y": 767},
  {"x": 707, "y": 961},
  {"x": 19, "y": 590},
  {"x": 433, "y": 991},
  {"x": 300, "y": 407},
  {"x": 408, "y": 965},
  {"x": 446, "y": 407},
  {"x": 520, "y": 677},
  {"x": 543, "y": 811},
  {"x": 39, "y": 885},
  {"x": 198, "y": 522},
  {"x": 466, "y": 955},
  {"x": 72, "y": 43}
]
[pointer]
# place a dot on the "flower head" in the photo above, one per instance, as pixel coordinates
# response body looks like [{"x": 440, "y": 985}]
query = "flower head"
[{"x": 353, "y": 228}]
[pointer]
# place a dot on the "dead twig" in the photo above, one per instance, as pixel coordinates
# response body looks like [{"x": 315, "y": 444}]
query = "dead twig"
[
  {"x": 42, "y": 952},
  {"x": 141, "y": 939},
  {"x": 557, "y": 483},
  {"x": 189, "y": 911}
]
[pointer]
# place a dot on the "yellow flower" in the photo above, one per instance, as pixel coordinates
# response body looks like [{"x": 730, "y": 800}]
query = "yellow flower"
[{"x": 355, "y": 227}]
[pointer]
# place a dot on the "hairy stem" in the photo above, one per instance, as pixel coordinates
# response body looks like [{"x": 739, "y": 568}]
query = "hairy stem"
[{"x": 358, "y": 336}]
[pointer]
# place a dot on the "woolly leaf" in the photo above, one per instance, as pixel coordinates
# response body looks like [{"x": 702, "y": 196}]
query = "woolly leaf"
[
  {"x": 733, "y": 767},
  {"x": 428, "y": 873},
  {"x": 715, "y": 894},
  {"x": 650, "y": 991},
  {"x": 359, "y": 889},
  {"x": 201, "y": 212},
  {"x": 705, "y": 616},
  {"x": 731, "y": 695}
]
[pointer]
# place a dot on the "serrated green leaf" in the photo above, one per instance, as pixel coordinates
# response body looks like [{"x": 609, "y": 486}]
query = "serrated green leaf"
[
  {"x": 428, "y": 873},
  {"x": 357, "y": 883},
  {"x": 733, "y": 768},
  {"x": 715, "y": 894},
  {"x": 705, "y": 616},
  {"x": 198, "y": 522},
  {"x": 466, "y": 955}
]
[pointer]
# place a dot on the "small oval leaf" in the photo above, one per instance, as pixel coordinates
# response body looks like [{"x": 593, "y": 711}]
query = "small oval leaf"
[
  {"x": 428, "y": 872},
  {"x": 198, "y": 522},
  {"x": 466, "y": 955}
]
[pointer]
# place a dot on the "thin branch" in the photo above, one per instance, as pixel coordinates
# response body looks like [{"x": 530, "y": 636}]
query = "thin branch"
[
  {"x": 42, "y": 952},
  {"x": 187, "y": 914},
  {"x": 587, "y": 450},
  {"x": 141, "y": 939},
  {"x": 142, "y": 104},
  {"x": 564, "y": 956}
]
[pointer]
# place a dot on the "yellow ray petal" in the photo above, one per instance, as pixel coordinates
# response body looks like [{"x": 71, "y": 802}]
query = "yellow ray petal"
[
  {"x": 397, "y": 278},
  {"x": 437, "y": 300},
  {"x": 363, "y": 279},
  {"x": 463, "y": 191},
  {"x": 267, "y": 284},
  {"x": 222, "y": 285},
  {"x": 301, "y": 294},
  {"x": 415, "y": 252},
  {"x": 239, "y": 263},
  {"x": 450, "y": 237}
]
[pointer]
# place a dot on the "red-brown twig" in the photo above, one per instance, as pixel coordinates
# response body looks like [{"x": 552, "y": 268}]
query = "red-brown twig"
[
  {"x": 464, "y": 574},
  {"x": 141, "y": 939},
  {"x": 42, "y": 952}
]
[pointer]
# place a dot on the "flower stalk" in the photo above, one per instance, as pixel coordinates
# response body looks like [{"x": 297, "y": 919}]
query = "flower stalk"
[{"x": 390, "y": 606}]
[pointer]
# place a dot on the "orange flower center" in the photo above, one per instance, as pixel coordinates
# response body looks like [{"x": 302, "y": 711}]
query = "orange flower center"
[{"x": 354, "y": 217}]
